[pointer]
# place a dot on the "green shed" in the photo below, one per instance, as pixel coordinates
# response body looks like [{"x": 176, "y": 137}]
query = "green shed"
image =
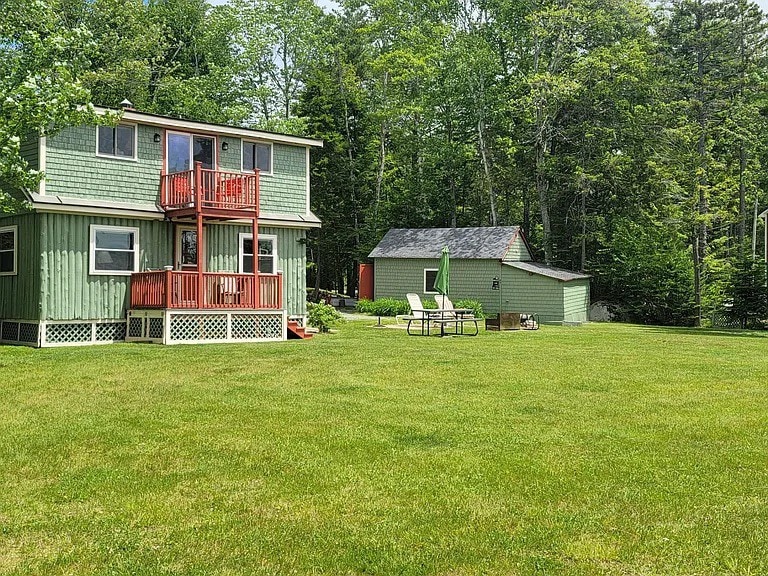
[{"x": 490, "y": 264}]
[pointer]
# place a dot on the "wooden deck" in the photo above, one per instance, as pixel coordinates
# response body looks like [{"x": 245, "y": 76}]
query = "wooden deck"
[{"x": 173, "y": 289}]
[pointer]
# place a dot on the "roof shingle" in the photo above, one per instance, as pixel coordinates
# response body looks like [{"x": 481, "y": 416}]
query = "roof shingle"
[{"x": 486, "y": 242}]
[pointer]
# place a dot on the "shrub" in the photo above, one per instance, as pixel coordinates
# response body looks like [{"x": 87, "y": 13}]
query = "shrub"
[
  {"x": 474, "y": 305},
  {"x": 322, "y": 316},
  {"x": 383, "y": 307}
]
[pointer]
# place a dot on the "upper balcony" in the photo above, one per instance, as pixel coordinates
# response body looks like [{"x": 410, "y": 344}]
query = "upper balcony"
[{"x": 210, "y": 193}]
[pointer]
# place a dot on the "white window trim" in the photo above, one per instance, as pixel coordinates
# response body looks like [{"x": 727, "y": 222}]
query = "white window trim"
[
  {"x": 424, "y": 282},
  {"x": 271, "y": 156},
  {"x": 15, "y": 230},
  {"x": 92, "y": 251},
  {"x": 135, "y": 157},
  {"x": 192, "y": 148},
  {"x": 241, "y": 253}
]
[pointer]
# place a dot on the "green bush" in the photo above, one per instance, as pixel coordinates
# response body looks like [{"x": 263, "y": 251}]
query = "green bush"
[
  {"x": 322, "y": 316},
  {"x": 474, "y": 305},
  {"x": 383, "y": 307}
]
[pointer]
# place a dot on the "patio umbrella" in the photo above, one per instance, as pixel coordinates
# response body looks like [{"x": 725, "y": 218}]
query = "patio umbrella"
[{"x": 442, "y": 280}]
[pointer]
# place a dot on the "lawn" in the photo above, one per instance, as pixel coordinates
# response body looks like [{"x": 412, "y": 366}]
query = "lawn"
[{"x": 604, "y": 449}]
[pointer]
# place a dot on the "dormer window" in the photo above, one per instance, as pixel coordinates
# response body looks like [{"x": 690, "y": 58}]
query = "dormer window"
[
  {"x": 257, "y": 155},
  {"x": 116, "y": 141}
]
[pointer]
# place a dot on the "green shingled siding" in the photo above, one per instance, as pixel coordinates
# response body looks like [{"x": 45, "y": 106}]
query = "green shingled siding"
[
  {"x": 222, "y": 254},
  {"x": 30, "y": 151},
  {"x": 517, "y": 251},
  {"x": 576, "y": 301},
  {"x": 20, "y": 294},
  {"x": 74, "y": 170},
  {"x": 68, "y": 291},
  {"x": 395, "y": 277},
  {"x": 532, "y": 293}
]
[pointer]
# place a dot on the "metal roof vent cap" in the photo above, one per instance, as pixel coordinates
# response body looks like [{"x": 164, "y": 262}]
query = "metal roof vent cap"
[{"x": 126, "y": 104}]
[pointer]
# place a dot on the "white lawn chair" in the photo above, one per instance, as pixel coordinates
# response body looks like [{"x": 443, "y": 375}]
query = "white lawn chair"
[{"x": 417, "y": 313}]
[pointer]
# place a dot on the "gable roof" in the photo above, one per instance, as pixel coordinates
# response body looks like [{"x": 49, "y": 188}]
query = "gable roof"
[
  {"x": 490, "y": 242},
  {"x": 548, "y": 271}
]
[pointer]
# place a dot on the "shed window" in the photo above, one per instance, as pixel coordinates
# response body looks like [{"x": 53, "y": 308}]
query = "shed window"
[
  {"x": 267, "y": 254},
  {"x": 114, "y": 250},
  {"x": 118, "y": 141},
  {"x": 8, "y": 249},
  {"x": 430, "y": 275},
  {"x": 257, "y": 155}
]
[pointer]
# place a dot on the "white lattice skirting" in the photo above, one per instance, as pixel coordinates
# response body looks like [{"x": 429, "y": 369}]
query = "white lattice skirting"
[
  {"x": 206, "y": 326},
  {"x": 61, "y": 333}
]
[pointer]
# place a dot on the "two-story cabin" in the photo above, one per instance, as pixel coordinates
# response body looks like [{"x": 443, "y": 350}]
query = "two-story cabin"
[{"x": 160, "y": 230}]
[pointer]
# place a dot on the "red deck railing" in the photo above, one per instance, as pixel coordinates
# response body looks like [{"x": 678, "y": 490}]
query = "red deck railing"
[
  {"x": 209, "y": 189},
  {"x": 176, "y": 289}
]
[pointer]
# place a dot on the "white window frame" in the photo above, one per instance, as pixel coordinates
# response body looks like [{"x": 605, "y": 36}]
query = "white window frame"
[
  {"x": 241, "y": 253},
  {"x": 271, "y": 156},
  {"x": 92, "y": 251},
  {"x": 15, "y": 230},
  {"x": 192, "y": 136},
  {"x": 424, "y": 282},
  {"x": 135, "y": 156}
]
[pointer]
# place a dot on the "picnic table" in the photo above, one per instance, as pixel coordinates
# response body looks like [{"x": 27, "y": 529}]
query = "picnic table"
[{"x": 442, "y": 317}]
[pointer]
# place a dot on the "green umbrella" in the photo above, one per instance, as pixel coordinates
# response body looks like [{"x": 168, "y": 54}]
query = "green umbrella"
[{"x": 442, "y": 281}]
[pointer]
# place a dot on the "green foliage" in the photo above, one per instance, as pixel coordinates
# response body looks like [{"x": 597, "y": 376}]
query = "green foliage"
[
  {"x": 383, "y": 307},
  {"x": 748, "y": 292},
  {"x": 474, "y": 305},
  {"x": 323, "y": 316}
]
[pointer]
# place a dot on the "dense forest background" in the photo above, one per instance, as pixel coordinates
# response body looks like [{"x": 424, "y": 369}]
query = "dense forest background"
[{"x": 625, "y": 137}]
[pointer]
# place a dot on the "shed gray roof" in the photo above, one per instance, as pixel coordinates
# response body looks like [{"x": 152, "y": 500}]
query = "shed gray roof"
[
  {"x": 549, "y": 271},
  {"x": 487, "y": 242}
]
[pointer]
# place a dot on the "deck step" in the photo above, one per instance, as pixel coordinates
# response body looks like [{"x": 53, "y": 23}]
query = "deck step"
[{"x": 296, "y": 332}]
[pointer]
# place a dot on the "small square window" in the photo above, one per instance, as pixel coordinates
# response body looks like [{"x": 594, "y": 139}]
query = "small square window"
[
  {"x": 8, "y": 250},
  {"x": 430, "y": 276},
  {"x": 114, "y": 250},
  {"x": 267, "y": 254},
  {"x": 118, "y": 141},
  {"x": 257, "y": 155}
]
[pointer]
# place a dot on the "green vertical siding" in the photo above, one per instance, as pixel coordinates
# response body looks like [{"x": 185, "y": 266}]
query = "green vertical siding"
[
  {"x": 518, "y": 251},
  {"x": 532, "y": 293},
  {"x": 395, "y": 277},
  {"x": 69, "y": 292},
  {"x": 74, "y": 170},
  {"x": 20, "y": 294},
  {"x": 576, "y": 301},
  {"x": 222, "y": 255}
]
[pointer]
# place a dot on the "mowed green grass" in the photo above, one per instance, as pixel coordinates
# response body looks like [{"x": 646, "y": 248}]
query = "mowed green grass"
[{"x": 592, "y": 450}]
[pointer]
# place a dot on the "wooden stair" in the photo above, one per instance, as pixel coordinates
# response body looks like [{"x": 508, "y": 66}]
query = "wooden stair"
[{"x": 296, "y": 332}]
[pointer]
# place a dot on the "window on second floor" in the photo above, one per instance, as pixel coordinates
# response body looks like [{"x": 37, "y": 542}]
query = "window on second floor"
[
  {"x": 116, "y": 141},
  {"x": 257, "y": 155},
  {"x": 8, "y": 250}
]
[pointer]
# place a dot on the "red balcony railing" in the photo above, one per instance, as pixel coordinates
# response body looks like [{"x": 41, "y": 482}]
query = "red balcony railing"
[
  {"x": 177, "y": 289},
  {"x": 209, "y": 189}
]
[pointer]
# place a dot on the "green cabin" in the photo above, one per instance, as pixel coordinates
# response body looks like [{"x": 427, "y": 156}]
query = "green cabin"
[
  {"x": 160, "y": 230},
  {"x": 490, "y": 264}
]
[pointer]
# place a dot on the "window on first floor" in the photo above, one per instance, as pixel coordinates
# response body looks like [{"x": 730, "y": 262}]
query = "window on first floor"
[
  {"x": 430, "y": 275},
  {"x": 118, "y": 141},
  {"x": 8, "y": 250},
  {"x": 114, "y": 250},
  {"x": 257, "y": 155},
  {"x": 267, "y": 254}
]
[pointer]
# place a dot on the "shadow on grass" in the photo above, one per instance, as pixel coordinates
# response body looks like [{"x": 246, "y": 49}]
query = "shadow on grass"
[{"x": 737, "y": 332}]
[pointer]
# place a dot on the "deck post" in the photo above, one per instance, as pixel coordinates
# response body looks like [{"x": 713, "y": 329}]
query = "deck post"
[
  {"x": 255, "y": 226},
  {"x": 201, "y": 300},
  {"x": 168, "y": 288}
]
